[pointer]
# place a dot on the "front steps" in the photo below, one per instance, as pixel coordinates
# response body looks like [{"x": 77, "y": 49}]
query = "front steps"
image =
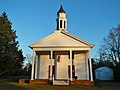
[{"x": 61, "y": 82}]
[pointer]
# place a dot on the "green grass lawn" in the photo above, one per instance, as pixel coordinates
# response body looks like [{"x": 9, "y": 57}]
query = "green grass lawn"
[{"x": 99, "y": 85}]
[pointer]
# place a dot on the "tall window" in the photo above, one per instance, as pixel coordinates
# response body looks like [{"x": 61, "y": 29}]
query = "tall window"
[
  {"x": 60, "y": 23},
  {"x": 64, "y": 25}
]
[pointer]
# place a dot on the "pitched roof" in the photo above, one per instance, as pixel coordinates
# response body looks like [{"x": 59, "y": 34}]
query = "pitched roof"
[
  {"x": 103, "y": 68},
  {"x": 61, "y": 39},
  {"x": 61, "y": 10},
  {"x": 78, "y": 39}
]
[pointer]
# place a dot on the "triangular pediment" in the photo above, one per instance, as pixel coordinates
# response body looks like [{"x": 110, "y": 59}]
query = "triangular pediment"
[{"x": 59, "y": 39}]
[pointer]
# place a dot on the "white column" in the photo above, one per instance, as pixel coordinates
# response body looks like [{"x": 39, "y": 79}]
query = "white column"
[
  {"x": 59, "y": 23},
  {"x": 87, "y": 66},
  {"x": 36, "y": 67},
  {"x": 62, "y": 24},
  {"x": 71, "y": 65},
  {"x": 66, "y": 24},
  {"x": 51, "y": 54},
  {"x": 91, "y": 74},
  {"x": 32, "y": 72}
]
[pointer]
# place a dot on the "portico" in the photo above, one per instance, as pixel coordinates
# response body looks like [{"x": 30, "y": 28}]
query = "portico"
[{"x": 68, "y": 57}]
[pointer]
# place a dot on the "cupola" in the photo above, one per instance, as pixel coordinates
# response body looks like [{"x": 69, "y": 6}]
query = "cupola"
[{"x": 61, "y": 19}]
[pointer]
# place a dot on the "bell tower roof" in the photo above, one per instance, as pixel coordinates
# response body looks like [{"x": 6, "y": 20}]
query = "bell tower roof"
[{"x": 61, "y": 10}]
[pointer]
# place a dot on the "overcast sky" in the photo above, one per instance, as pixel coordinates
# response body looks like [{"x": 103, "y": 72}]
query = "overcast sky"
[{"x": 90, "y": 20}]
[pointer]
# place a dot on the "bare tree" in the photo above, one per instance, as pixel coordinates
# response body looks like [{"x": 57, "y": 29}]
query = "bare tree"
[
  {"x": 28, "y": 58},
  {"x": 28, "y": 65},
  {"x": 110, "y": 50}
]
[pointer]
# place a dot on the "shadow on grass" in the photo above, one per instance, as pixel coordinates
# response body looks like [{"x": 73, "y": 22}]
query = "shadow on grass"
[
  {"x": 8, "y": 84},
  {"x": 110, "y": 85}
]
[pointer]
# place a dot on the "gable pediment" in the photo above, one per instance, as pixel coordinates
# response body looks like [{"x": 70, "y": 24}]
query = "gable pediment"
[{"x": 59, "y": 39}]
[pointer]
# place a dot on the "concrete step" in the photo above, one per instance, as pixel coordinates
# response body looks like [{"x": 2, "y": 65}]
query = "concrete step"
[{"x": 61, "y": 82}]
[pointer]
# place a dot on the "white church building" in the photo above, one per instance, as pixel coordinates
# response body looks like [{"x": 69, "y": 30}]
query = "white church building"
[{"x": 61, "y": 56}]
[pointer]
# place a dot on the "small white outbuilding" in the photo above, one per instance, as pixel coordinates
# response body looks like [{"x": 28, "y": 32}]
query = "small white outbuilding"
[{"x": 104, "y": 73}]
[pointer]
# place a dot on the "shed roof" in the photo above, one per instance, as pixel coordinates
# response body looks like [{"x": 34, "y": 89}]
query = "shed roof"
[{"x": 103, "y": 68}]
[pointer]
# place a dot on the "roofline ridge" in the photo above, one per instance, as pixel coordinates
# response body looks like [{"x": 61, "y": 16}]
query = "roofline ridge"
[
  {"x": 79, "y": 39},
  {"x": 48, "y": 36}
]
